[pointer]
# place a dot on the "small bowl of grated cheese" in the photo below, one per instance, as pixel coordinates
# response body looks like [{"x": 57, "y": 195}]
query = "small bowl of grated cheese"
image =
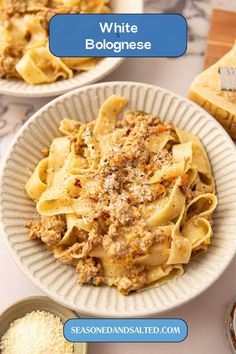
[{"x": 35, "y": 326}]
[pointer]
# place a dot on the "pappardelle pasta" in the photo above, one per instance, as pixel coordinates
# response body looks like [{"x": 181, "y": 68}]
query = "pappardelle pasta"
[
  {"x": 127, "y": 201},
  {"x": 24, "y": 52}
]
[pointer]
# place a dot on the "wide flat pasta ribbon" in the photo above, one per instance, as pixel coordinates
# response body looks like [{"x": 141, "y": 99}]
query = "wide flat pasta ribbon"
[
  {"x": 199, "y": 159},
  {"x": 80, "y": 206},
  {"x": 157, "y": 142},
  {"x": 59, "y": 151},
  {"x": 38, "y": 66},
  {"x": 198, "y": 231},
  {"x": 167, "y": 171},
  {"x": 108, "y": 115},
  {"x": 160, "y": 275},
  {"x": 181, "y": 247},
  {"x": 37, "y": 182},
  {"x": 157, "y": 255},
  {"x": 183, "y": 153},
  {"x": 74, "y": 225},
  {"x": 167, "y": 209},
  {"x": 202, "y": 206}
]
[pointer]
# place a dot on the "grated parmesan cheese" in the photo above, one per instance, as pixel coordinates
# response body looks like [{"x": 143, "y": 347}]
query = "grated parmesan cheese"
[{"x": 38, "y": 332}]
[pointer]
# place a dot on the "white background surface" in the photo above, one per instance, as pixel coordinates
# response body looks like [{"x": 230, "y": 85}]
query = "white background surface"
[{"x": 204, "y": 315}]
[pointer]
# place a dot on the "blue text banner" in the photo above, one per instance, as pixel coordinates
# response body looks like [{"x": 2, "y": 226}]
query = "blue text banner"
[
  {"x": 118, "y": 35},
  {"x": 125, "y": 330}
]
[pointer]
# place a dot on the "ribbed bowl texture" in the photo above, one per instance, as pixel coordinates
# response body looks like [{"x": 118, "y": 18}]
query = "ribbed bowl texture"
[{"x": 58, "y": 280}]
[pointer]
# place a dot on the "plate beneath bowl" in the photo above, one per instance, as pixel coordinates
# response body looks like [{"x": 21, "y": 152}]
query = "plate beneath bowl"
[{"x": 58, "y": 280}]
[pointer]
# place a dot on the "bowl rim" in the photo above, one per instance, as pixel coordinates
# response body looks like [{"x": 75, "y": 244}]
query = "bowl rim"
[
  {"x": 32, "y": 299},
  {"x": 50, "y": 293},
  {"x": 59, "y": 91}
]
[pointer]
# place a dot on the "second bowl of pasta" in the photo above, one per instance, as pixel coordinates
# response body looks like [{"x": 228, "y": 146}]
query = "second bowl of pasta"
[
  {"x": 123, "y": 191},
  {"x": 28, "y": 68}
]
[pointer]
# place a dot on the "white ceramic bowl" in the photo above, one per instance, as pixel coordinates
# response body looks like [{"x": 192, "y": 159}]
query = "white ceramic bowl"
[
  {"x": 58, "y": 280},
  {"x": 38, "y": 303},
  {"x": 14, "y": 87}
]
